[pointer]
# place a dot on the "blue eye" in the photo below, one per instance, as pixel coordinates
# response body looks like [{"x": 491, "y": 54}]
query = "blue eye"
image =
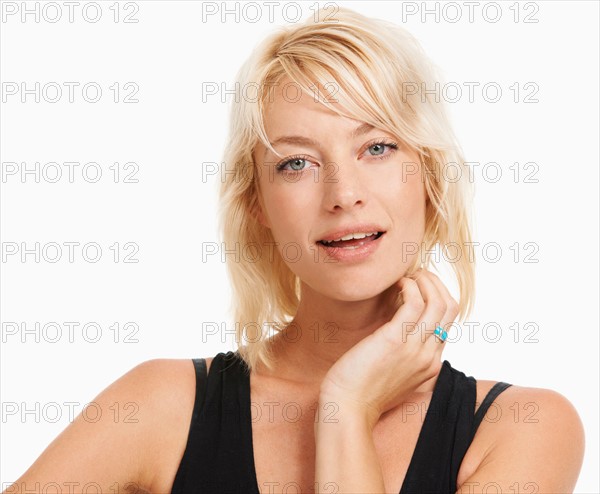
[
  {"x": 379, "y": 148},
  {"x": 296, "y": 163}
]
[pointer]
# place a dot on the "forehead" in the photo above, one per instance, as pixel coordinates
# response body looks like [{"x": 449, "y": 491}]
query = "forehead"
[{"x": 288, "y": 107}]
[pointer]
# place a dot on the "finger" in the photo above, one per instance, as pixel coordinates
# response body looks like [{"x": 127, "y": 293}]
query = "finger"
[
  {"x": 410, "y": 311},
  {"x": 452, "y": 309},
  {"x": 435, "y": 306}
]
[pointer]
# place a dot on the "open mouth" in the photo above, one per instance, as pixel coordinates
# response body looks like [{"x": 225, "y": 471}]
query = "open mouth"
[{"x": 352, "y": 243}]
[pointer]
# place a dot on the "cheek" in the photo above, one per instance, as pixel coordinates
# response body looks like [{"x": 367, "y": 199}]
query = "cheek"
[
  {"x": 285, "y": 214},
  {"x": 291, "y": 202},
  {"x": 407, "y": 201}
]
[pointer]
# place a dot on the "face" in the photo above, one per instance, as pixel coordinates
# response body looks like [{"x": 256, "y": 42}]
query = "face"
[{"x": 334, "y": 173}]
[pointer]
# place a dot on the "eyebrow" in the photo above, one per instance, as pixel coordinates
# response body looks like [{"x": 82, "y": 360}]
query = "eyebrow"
[{"x": 362, "y": 129}]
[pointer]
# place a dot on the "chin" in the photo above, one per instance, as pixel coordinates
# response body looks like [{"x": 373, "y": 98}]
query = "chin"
[{"x": 350, "y": 291}]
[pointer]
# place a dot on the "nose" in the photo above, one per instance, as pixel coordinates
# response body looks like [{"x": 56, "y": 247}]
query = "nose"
[{"x": 343, "y": 187}]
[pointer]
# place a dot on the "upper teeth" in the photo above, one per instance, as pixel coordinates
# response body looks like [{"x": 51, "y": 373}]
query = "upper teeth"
[{"x": 350, "y": 236}]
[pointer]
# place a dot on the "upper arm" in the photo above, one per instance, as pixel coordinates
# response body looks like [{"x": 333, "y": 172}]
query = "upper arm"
[
  {"x": 537, "y": 447},
  {"x": 114, "y": 445}
]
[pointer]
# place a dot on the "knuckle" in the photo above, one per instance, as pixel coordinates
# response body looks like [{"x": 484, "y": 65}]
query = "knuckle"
[
  {"x": 435, "y": 367},
  {"x": 415, "y": 305},
  {"x": 453, "y": 306},
  {"x": 428, "y": 364},
  {"x": 423, "y": 361},
  {"x": 390, "y": 335},
  {"x": 433, "y": 275}
]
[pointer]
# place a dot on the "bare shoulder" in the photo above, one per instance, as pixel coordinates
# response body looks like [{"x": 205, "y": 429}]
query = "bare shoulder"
[
  {"x": 170, "y": 394},
  {"x": 136, "y": 437},
  {"x": 528, "y": 435}
]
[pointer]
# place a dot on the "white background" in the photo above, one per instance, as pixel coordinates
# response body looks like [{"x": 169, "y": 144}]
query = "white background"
[{"x": 170, "y": 212}]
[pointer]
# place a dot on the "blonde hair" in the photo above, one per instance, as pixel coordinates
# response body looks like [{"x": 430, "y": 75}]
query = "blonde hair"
[{"x": 380, "y": 73}]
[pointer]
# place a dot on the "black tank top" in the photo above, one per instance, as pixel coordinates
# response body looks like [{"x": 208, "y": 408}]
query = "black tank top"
[{"x": 219, "y": 457}]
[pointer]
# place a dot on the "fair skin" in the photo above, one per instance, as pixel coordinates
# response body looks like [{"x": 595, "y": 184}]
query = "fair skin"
[{"x": 369, "y": 366}]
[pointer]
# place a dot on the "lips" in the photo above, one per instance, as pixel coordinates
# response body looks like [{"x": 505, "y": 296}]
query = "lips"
[
  {"x": 355, "y": 242},
  {"x": 350, "y": 252},
  {"x": 357, "y": 228}
]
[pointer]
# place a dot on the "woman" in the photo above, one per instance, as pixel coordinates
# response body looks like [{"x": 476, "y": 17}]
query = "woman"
[{"x": 338, "y": 194}]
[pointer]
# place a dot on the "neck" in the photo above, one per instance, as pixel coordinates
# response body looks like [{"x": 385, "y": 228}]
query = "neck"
[{"x": 323, "y": 330}]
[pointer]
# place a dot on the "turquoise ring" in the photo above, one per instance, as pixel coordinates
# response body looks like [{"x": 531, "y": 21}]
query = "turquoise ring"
[{"x": 440, "y": 334}]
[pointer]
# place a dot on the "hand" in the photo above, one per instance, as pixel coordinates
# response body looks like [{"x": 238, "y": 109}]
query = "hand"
[{"x": 375, "y": 375}]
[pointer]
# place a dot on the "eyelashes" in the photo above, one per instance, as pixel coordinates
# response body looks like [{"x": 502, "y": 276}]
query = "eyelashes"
[{"x": 281, "y": 166}]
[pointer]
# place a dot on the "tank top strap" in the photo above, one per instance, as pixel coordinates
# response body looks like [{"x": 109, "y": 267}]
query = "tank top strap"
[
  {"x": 447, "y": 432},
  {"x": 201, "y": 378},
  {"x": 445, "y": 435},
  {"x": 218, "y": 456},
  {"x": 486, "y": 403}
]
